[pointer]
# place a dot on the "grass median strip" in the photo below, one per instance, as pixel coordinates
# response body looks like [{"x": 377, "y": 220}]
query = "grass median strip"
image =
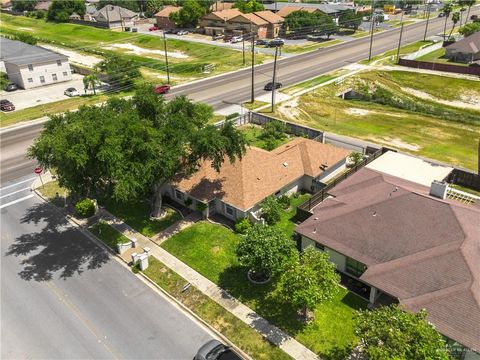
[
  {"x": 108, "y": 234},
  {"x": 223, "y": 321}
]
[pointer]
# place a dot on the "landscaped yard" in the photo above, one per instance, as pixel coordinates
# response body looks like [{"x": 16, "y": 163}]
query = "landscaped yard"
[
  {"x": 438, "y": 56},
  {"x": 253, "y": 134},
  {"x": 136, "y": 214},
  {"x": 108, "y": 234},
  {"x": 440, "y": 122},
  {"x": 210, "y": 249}
]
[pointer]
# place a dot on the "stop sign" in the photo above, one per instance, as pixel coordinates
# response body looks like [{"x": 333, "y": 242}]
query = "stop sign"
[{"x": 38, "y": 170}]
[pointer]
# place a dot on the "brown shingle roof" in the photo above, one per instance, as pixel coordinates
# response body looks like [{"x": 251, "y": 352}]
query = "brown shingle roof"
[
  {"x": 224, "y": 14},
  {"x": 287, "y": 10},
  {"x": 420, "y": 249},
  {"x": 167, "y": 10},
  {"x": 251, "y": 17},
  {"x": 269, "y": 16},
  {"x": 221, "y": 5},
  {"x": 469, "y": 45},
  {"x": 260, "y": 173}
]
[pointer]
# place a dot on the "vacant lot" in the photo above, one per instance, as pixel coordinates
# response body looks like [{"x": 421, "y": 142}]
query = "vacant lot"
[
  {"x": 433, "y": 116},
  {"x": 186, "y": 58}
]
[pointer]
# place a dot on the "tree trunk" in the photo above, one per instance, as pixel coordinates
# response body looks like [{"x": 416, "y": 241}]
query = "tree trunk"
[
  {"x": 451, "y": 31},
  {"x": 94, "y": 90},
  {"x": 468, "y": 15},
  {"x": 157, "y": 203},
  {"x": 305, "y": 314},
  {"x": 445, "y": 28}
]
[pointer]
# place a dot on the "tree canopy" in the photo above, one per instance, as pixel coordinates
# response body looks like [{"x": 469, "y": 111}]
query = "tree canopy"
[
  {"x": 271, "y": 210},
  {"x": 350, "y": 20},
  {"x": 124, "y": 147},
  {"x": 132, "y": 5},
  {"x": 60, "y": 10},
  {"x": 310, "y": 23},
  {"x": 310, "y": 281},
  {"x": 248, "y": 6},
  {"x": 121, "y": 71},
  {"x": 392, "y": 333},
  {"x": 189, "y": 14},
  {"x": 266, "y": 250},
  {"x": 23, "y": 5},
  {"x": 469, "y": 29}
]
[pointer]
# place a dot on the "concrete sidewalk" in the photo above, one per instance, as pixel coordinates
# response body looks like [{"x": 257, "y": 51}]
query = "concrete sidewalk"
[
  {"x": 187, "y": 221},
  {"x": 276, "y": 336}
]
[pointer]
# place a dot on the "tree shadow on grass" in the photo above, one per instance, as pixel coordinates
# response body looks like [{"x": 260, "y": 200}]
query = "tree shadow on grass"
[
  {"x": 56, "y": 248},
  {"x": 263, "y": 299}
]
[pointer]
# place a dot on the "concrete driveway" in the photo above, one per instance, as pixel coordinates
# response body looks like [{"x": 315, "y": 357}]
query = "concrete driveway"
[{"x": 23, "y": 99}]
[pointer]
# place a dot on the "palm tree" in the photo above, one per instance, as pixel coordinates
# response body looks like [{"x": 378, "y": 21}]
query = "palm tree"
[
  {"x": 90, "y": 81},
  {"x": 468, "y": 3},
  {"x": 446, "y": 9},
  {"x": 455, "y": 20}
]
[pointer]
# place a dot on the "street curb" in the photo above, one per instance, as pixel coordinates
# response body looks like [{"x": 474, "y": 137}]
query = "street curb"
[{"x": 140, "y": 275}]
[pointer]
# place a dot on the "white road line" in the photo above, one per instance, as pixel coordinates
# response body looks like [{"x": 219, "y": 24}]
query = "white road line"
[
  {"x": 20, "y": 182},
  {"x": 16, "y": 201},
  {"x": 15, "y": 192}
]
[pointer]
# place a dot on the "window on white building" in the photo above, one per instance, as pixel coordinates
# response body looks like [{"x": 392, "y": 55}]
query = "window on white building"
[
  {"x": 54, "y": 77},
  {"x": 30, "y": 67},
  {"x": 178, "y": 195},
  {"x": 30, "y": 80},
  {"x": 65, "y": 73},
  {"x": 42, "y": 79},
  {"x": 59, "y": 62}
]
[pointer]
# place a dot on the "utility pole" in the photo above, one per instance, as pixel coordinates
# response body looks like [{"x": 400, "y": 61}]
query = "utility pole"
[
  {"x": 274, "y": 78},
  {"x": 426, "y": 25},
  {"x": 121, "y": 19},
  {"x": 252, "y": 99},
  {"x": 243, "y": 48},
  {"x": 166, "y": 56},
  {"x": 372, "y": 19},
  {"x": 399, "y": 44}
]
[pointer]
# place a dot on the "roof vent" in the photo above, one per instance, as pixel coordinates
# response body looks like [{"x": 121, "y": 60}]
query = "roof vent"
[
  {"x": 374, "y": 213},
  {"x": 285, "y": 164},
  {"x": 314, "y": 230},
  {"x": 439, "y": 189},
  {"x": 315, "y": 218}
]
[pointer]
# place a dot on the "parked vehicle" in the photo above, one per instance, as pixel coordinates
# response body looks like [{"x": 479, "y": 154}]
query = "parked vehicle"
[
  {"x": 474, "y": 17},
  {"x": 269, "y": 86},
  {"x": 134, "y": 29},
  {"x": 6, "y": 105},
  {"x": 11, "y": 87},
  {"x": 182, "y": 32},
  {"x": 276, "y": 42},
  {"x": 162, "y": 89},
  {"x": 441, "y": 14},
  {"x": 217, "y": 36},
  {"x": 71, "y": 92},
  {"x": 153, "y": 28},
  {"x": 127, "y": 28},
  {"x": 261, "y": 42},
  {"x": 236, "y": 39},
  {"x": 227, "y": 38},
  {"x": 215, "y": 350}
]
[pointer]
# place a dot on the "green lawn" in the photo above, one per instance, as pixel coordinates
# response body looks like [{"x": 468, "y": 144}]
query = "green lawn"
[
  {"x": 406, "y": 49},
  {"x": 253, "y": 136},
  {"x": 222, "y": 320},
  {"x": 438, "y": 56},
  {"x": 54, "y": 193},
  {"x": 255, "y": 105},
  {"x": 90, "y": 39},
  {"x": 108, "y": 234},
  {"x": 452, "y": 139},
  {"x": 210, "y": 249},
  {"x": 310, "y": 46},
  {"x": 287, "y": 217},
  {"x": 136, "y": 214},
  {"x": 309, "y": 83}
]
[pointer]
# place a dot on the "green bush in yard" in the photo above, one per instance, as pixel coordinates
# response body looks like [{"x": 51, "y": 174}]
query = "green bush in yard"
[
  {"x": 243, "y": 226},
  {"x": 284, "y": 201},
  {"x": 271, "y": 210},
  {"x": 85, "y": 208}
]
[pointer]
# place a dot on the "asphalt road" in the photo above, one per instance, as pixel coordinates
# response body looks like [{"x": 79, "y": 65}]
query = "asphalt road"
[
  {"x": 223, "y": 90},
  {"x": 64, "y": 297}
]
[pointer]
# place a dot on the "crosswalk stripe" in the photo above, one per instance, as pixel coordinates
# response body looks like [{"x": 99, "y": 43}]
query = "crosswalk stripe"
[{"x": 16, "y": 201}]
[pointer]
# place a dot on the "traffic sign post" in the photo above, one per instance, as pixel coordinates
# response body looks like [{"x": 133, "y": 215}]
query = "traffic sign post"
[{"x": 38, "y": 170}]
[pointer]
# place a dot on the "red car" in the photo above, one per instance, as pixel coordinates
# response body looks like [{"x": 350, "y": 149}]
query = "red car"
[
  {"x": 6, "y": 105},
  {"x": 154, "y": 28},
  {"x": 162, "y": 89}
]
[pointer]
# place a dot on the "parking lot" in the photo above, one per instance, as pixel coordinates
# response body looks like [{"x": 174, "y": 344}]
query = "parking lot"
[{"x": 23, "y": 99}]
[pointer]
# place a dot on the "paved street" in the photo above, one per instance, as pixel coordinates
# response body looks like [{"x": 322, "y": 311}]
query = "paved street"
[{"x": 64, "y": 297}]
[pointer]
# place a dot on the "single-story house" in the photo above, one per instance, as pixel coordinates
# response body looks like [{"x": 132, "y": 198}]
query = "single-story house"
[
  {"x": 285, "y": 9},
  {"x": 115, "y": 16},
  {"x": 31, "y": 66},
  {"x": 163, "y": 17},
  {"x": 400, "y": 241},
  {"x": 237, "y": 190},
  {"x": 466, "y": 50}
]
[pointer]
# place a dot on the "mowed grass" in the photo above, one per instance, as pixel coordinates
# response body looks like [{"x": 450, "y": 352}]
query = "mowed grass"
[
  {"x": 108, "y": 234},
  {"x": 453, "y": 142},
  {"x": 310, "y": 46},
  {"x": 406, "y": 49},
  {"x": 253, "y": 135},
  {"x": 136, "y": 213},
  {"x": 222, "y": 320},
  {"x": 98, "y": 40},
  {"x": 210, "y": 249},
  {"x": 438, "y": 56}
]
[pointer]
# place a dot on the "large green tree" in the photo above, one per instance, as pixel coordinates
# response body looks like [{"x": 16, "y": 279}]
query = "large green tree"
[
  {"x": 468, "y": 4},
  {"x": 60, "y": 10},
  {"x": 310, "y": 281},
  {"x": 271, "y": 210},
  {"x": 447, "y": 10},
  {"x": 248, "y": 6},
  {"x": 91, "y": 81},
  {"x": 469, "y": 29},
  {"x": 133, "y": 5},
  {"x": 266, "y": 250},
  {"x": 455, "y": 20},
  {"x": 189, "y": 14},
  {"x": 313, "y": 23},
  {"x": 125, "y": 147},
  {"x": 121, "y": 71},
  {"x": 23, "y": 5},
  {"x": 350, "y": 20},
  {"x": 392, "y": 333}
]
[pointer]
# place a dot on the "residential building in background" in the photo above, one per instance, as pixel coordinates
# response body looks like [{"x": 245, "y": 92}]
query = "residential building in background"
[
  {"x": 163, "y": 17},
  {"x": 466, "y": 50},
  {"x": 113, "y": 16},
  {"x": 31, "y": 66}
]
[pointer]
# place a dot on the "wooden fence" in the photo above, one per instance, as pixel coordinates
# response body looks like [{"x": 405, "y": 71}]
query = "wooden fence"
[
  {"x": 469, "y": 70},
  {"x": 464, "y": 178}
]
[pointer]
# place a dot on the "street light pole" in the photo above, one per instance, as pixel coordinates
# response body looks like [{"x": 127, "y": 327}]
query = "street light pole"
[
  {"x": 426, "y": 25},
  {"x": 372, "y": 19},
  {"x": 252, "y": 99},
  {"x": 243, "y": 48},
  {"x": 399, "y": 43},
  {"x": 166, "y": 56},
  {"x": 274, "y": 78}
]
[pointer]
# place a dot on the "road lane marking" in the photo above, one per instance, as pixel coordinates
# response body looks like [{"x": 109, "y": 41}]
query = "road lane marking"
[
  {"x": 15, "y": 192},
  {"x": 16, "y": 201},
  {"x": 20, "y": 182}
]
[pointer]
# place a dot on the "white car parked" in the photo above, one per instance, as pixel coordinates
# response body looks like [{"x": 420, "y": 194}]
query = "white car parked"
[
  {"x": 236, "y": 39},
  {"x": 71, "y": 92}
]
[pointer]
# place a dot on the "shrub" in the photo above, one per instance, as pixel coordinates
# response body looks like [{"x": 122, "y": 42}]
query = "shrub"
[
  {"x": 136, "y": 268},
  {"x": 274, "y": 129},
  {"x": 188, "y": 201},
  {"x": 85, "y": 208},
  {"x": 284, "y": 201},
  {"x": 243, "y": 226},
  {"x": 271, "y": 210},
  {"x": 201, "y": 206},
  {"x": 232, "y": 116}
]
